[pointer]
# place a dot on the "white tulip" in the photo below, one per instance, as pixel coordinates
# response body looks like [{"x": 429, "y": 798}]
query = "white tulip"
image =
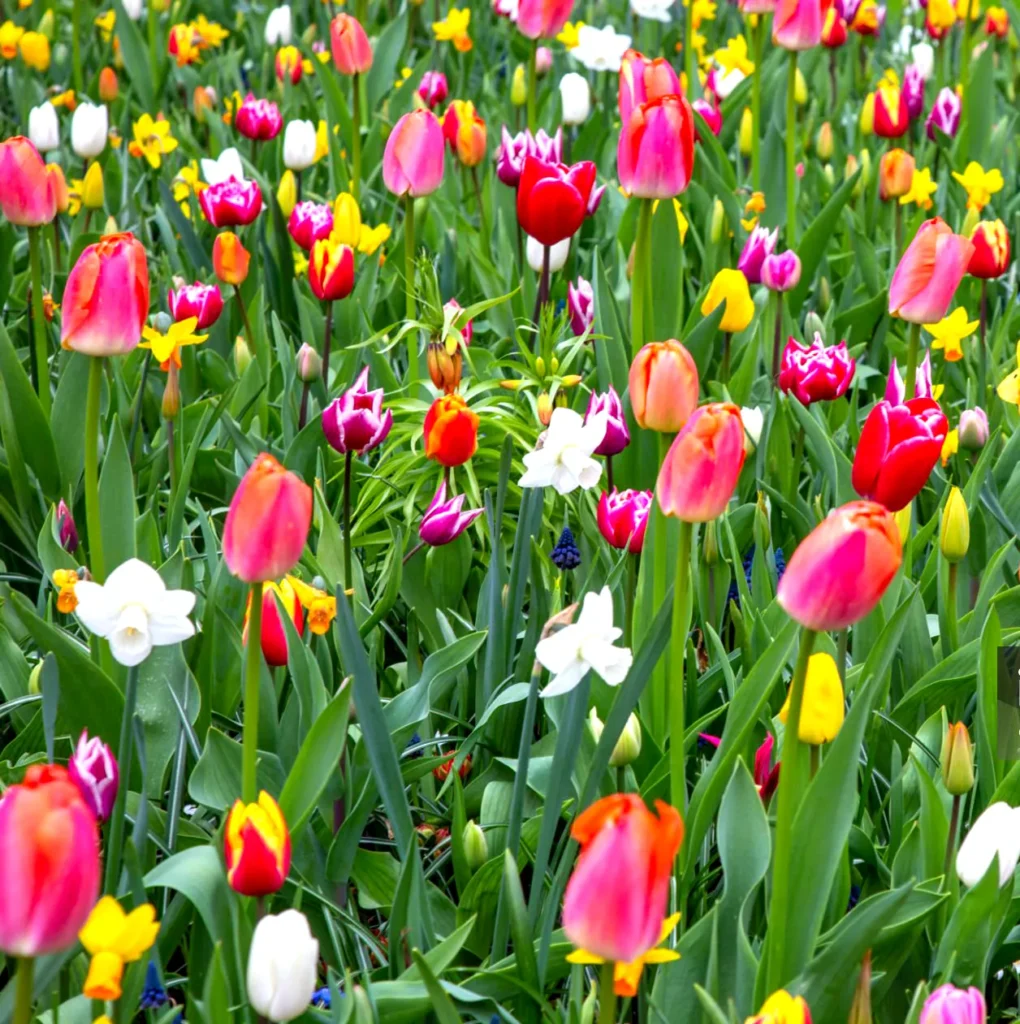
[
  {"x": 90, "y": 126},
  {"x": 575, "y": 98},
  {"x": 923, "y": 58},
  {"x": 586, "y": 644},
  {"x": 43, "y": 127},
  {"x": 557, "y": 254},
  {"x": 134, "y": 611},
  {"x": 279, "y": 26},
  {"x": 753, "y": 420},
  {"x": 133, "y": 9},
  {"x": 996, "y": 831},
  {"x": 563, "y": 457},
  {"x": 282, "y": 966},
  {"x": 226, "y": 166},
  {"x": 299, "y": 145},
  {"x": 654, "y": 10},
  {"x": 600, "y": 49}
]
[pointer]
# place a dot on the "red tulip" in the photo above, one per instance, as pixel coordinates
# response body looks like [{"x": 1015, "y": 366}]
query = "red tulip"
[
  {"x": 552, "y": 199},
  {"x": 892, "y": 119},
  {"x": 274, "y": 633},
  {"x": 28, "y": 196},
  {"x": 256, "y": 847},
  {"x": 991, "y": 250},
  {"x": 451, "y": 431}
]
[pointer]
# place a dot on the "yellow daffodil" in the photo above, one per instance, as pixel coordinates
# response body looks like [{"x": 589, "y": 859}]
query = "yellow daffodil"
[
  {"x": 10, "y": 36},
  {"x": 699, "y": 42},
  {"x": 64, "y": 580},
  {"x": 980, "y": 184},
  {"x": 733, "y": 57},
  {"x": 168, "y": 346},
  {"x": 321, "y": 142},
  {"x": 210, "y": 33},
  {"x": 821, "y": 713},
  {"x": 922, "y": 188},
  {"x": 105, "y": 23},
  {"x": 300, "y": 263},
  {"x": 754, "y": 206},
  {"x": 187, "y": 183},
  {"x": 231, "y": 103},
  {"x": 951, "y": 445},
  {"x": 782, "y": 1008},
  {"x": 1009, "y": 387},
  {"x": 454, "y": 28},
  {"x": 65, "y": 99},
  {"x": 681, "y": 221},
  {"x": 370, "y": 239},
  {"x": 115, "y": 938},
  {"x": 704, "y": 10},
  {"x": 950, "y": 331},
  {"x": 35, "y": 50},
  {"x": 320, "y": 606},
  {"x": 941, "y": 14},
  {"x": 570, "y": 36},
  {"x": 152, "y": 140},
  {"x": 627, "y": 976},
  {"x": 185, "y": 45}
]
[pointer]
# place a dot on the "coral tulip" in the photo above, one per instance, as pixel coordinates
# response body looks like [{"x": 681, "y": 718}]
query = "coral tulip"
[
  {"x": 274, "y": 634},
  {"x": 331, "y": 270},
  {"x": 929, "y": 272},
  {"x": 352, "y": 52},
  {"x": 230, "y": 258},
  {"x": 797, "y": 24},
  {"x": 895, "y": 174},
  {"x": 655, "y": 153},
  {"x": 552, "y": 199},
  {"x": 538, "y": 19},
  {"x": 623, "y": 518},
  {"x": 816, "y": 373},
  {"x": 355, "y": 422},
  {"x": 256, "y": 847},
  {"x": 451, "y": 431},
  {"x": 991, "y": 250},
  {"x": 28, "y": 197},
  {"x": 202, "y": 301},
  {"x": 413, "y": 159},
  {"x": 663, "y": 386},
  {"x": 643, "y": 80}
]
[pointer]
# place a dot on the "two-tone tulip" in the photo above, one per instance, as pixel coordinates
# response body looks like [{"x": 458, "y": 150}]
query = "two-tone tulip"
[
  {"x": 278, "y": 600},
  {"x": 413, "y": 158},
  {"x": 929, "y": 272},
  {"x": 797, "y": 24},
  {"x": 445, "y": 520},
  {"x": 230, "y": 258},
  {"x": 451, "y": 431},
  {"x": 655, "y": 152},
  {"x": 355, "y": 422},
  {"x": 231, "y": 203},
  {"x": 256, "y": 846},
  {"x": 617, "y": 436},
  {"x": 28, "y": 197},
  {"x": 93, "y": 769},
  {"x": 204, "y": 302},
  {"x": 622, "y": 518},
  {"x": 816, "y": 372},
  {"x": 331, "y": 270},
  {"x": 990, "y": 258},
  {"x": 258, "y": 119}
]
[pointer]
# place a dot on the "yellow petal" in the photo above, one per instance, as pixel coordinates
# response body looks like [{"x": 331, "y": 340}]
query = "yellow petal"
[
  {"x": 138, "y": 933},
  {"x": 1009, "y": 388},
  {"x": 582, "y": 956},
  {"x": 103, "y": 925},
  {"x": 661, "y": 956}
]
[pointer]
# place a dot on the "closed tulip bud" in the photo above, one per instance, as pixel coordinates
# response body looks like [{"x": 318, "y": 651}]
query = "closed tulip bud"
[
  {"x": 108, "y": 87},
  {"x": 951, "y": 1005},
  {"x": 746, "y": 131},
  {"x": 628, "y": 746},
  {"x": 860, "y": 1008},
  {"x": 35, "y": 679},
  {"x": 866, "y": 121},
  {"x": 331, "y": 270},
  {"x": 413, "y": 158},
  {"x": 655, "y": 153},
  {"x": 823, "y": 143},
  {"x": 824, "y": 294},
  {"x": 821, "y": 713},
  {"x": 352, "y": 52},
  {"x": 780, "y": 271},
  {"x": 283, "y": 965},
  {"x": 93, "y": 192},
  {"x": 991, "y": 250},
  {"x": 256, "y": 846},
  {"x": 90, "y": 126},
  {"x": 171, "y": 404},
  {"x": 575, "y": 98},
  {"x": 954, "y": 537},
  {"x": 761, "y": 528},
  {"x": 242, "y": 356},
  {"x": 519, "y": 87},
  {"x": 663, "y": 386},
  {"x": 895, "y": 174},
  {"x": 309, "y": 364},
  {"x": 545, "y": 408},
  {"x": 279, "y": 26},
  {"x": 46, "y": 24},
  {"x": 451, "y": 431},
  {"x": 346, "y": 220},
  {"x": 829, "y": 175},
  {"x": 66, "y": 527},
  {"x": 717, "y": 225},
  {"x": 957, "y": 760},
  {"x": 230, "y": 258},
  {"x": 476, "y": 846},
  {"x": 299, "y": 145},
  {"x": 93, "y": 769},
  {"x": 286, "y": 193},
  {"x": 973, "y": 430}
]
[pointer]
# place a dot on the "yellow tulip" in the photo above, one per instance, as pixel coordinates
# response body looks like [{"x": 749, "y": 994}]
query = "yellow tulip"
[
  {"x": 730, "y": 286},
  {"x": 821, "y": 713},
  {"x": 954, "y": 536}
]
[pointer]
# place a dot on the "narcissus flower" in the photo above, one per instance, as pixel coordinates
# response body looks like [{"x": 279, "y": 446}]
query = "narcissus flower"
[
  {"x": 256, "y": 847},
  {"x": 167, "y": 347},
  {"x": 1009, "y": 387},
  {"x": 454, "y": 29},
  {"x": 950, "y": 331},
  {"x": 821, "y": 713},
  {"x": 929, "y": 272},
  {"x": 320, "y": 606},
  {"x": 996, "y": 833},
  {"x": 562, "y": 458},
  {"x": 152, "y": 140},
  {"x": 730, "y": 286},
  {"x": 979, "y": 184},
  {"x": 991, "y": 250},
  {"x": 920, "y": 190},
  {"x": 444, "y": 521},
  {"x": 115, "y": 938},
  {"x": 65, "y": 580}
]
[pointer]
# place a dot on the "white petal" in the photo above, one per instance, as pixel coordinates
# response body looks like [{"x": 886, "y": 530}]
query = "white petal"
[
  {"x": 566, "y": 680},
  {"x": 556, "y": 651},
  {"x": 596, "y": 612},
  {"x": 167, "y": 629},
  {"x": 563, "y": 479},
  {"x": 564, "y": 427},
  {"x": 130, "y": 641},
  {"x": 611, "y": 663},
  {"x": 539, "y": 468},
  {"x": 96, "y": 611},
  {"x": 593, "y": 432},
  {"x": 981, "y": 844},
  {"x": 590, "y": 474},
  {"x": 134, "y": 582}
]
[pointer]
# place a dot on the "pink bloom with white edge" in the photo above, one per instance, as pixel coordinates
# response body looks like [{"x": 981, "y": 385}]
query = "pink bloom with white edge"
[
  {"x": 760, "y": 244},
  {"x": 913, "y": 90},
  {"x": 443, "y": 520},
  {"x": 309, "y": 222},
  {"x": 617, "y": 436},
  {"x": 202, "y": 301},
  {"x": 945, "y": 114},
  {"x": 355, "y": 422},
  {"x": 93, "y": 769},
  {"x": 231, "y": 203},
  {"x": 623, "y": 518},
  {"x": 413, "y": 158},
  {"x": 514, "y": 148},
  {"x": 711, "y": 113},
  {"x": 581, "y": 305},
  {"x": 258, "y": 119},
  {"x": 951, "y": 1005},
  {"x": 433, "y": 88},
  {"x": 895, "y": 389},
  {"x": 815, "y": 373},
  {"x": 780, "y": 272}
]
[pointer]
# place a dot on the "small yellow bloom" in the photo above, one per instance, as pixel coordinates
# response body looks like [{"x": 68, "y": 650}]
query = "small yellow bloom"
[
  {"x": 10, "y": 36},
  {"x": 733, "y": 56},
  {"x": 903, "y": 518},
  {"x": 74, "y": 193},
  {"x": 746, "y": 131},
  {"x": 867, "y": 118},
  {"x": 961, "y": 9},
  {"x": 93, "y": 194},
  {"x": 941, "y": 14},
  {"x": 954, "y": 533},
  {"x": 105, "y": 23},
  {"x": 730, "y": 286},
  {"x": 782, "y": 1008},
  {"x": 210, "y": 33},
  {"x": 286, "y": 194},
  {"x": 168, "y": 346},
  {"x": 1009, "y": 387},
  {"x": 152, "y": 140},
  {"x": 187, "y": 182},
  {"x": 114, "y": 939},
  {"x": 950, "y": 446},
  {"x": 821, "y": 712},
  {"x": 321, "y": 607},
  {"x": 454, "y": 28},
  {"x": 799, "y": 89},
  {"x": 681, "y": 221},
  {"x": 626, "y": 976},
  {"x": 756, "y": 204},
  {"x": 704, "y": 10},
  {"x": 321, "y": 142},
  {"x": 980, "y": 184},
  {"x": 65, "y": 99},
  {"x": 570, "y": 36},
  {"x": 950, "y": 331},
  {"x": 370, "y": 239},
  {"x": 922, "y": 188},
  {"x": 35, "y": 50},
  {"x": 300, "y": 263},
  {"x": 346, "y": 220},
  {"x": 64, "y": 580},
  {"x": 519, "y": 87}
]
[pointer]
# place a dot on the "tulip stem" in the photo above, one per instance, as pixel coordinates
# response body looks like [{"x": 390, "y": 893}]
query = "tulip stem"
[
  {"x": 42, "y": 367},
  {"x": 954, "y": 823},
  {"x": 92, "y": 522},
  {"x": 327, "y": 344},
  {"x": 638, "y": 289},
  {"x": 24, "y": 988},
  {"x": 533, "y": 87},
  {"x": 758, "y": 39},
  {"x": 244, "y": 319},
  {"x": 348, "y": 575},
  {"x": 777, "y": 338},
  {"x": 409, "y": 305},
  {"x": 796, "y": 769},
  {"x": 607, "y": 994},
  {"x": 79, "y": 81},
  {"x": 682, "y": 607},
  {"x": 252, "y": 678},
  {"x": 481, "y": 206},
  {"x": 356, "y": 136},
  {"x": 913, "y": 341},
  {"x": 965, "y": 48},
  {"x": 951, "y": 640},
  {"x": 303, "y": 411},
  {"x": 689, "y": 51},
  {"x": 125, "y": 751},
  {"x": 982, "y": 351},
  {"x": 791, "y": 152}
]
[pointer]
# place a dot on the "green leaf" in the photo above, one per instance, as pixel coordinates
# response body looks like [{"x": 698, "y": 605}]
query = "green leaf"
[
  {"x": 385, "y": 58},
  {"x": 519, "y": 927},
  {"x": 117, "y": 501},
  {"x": 442, "y": 1005},
  {"x": 216, "y": 994}
]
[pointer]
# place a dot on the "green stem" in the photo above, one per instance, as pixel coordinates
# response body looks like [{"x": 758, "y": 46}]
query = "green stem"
[
  {"x": 796, "y": 769},
  {"x": 533, "y": 87},
  {"x": 153, "y": 48},
  {"x": 638, "y": 289},
  {"x": 409, "y": 307},
  {"x": 954, "y": 823},
  {"x": 689, "y": 50},
  {"x": 42, "y": 366},
  {"x": 965, "y": 49},
  {"x": 982, "y": 349},
  {"x": 348, "y": 576},
  {"x": 791, "y": 153},
  {"x": 125, "y": 750},
  {"x": 913, "y": 343},
  {"x": 356, "y": 136},
  {"x": 628, "y": 597},
  {"x": 252, "y": 676},
  {"x": 952, "y": 638},
  {"x": 682, "y": 607},
  {"x": 79, "y": 81},
  {"x": 759, "y": 38},
  {"x": 655, "y": 548},
  {"x": 607, "y": 994},
  {"x": 93, "y": 400},
  {"x": 24, "y": 987}
]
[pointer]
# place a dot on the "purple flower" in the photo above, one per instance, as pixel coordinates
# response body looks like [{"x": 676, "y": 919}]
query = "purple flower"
[
  {"x": 66, "y": 526},
  {"x": 951, "y": 1005},
  {"x": 355, "y": 422},
  {"x": 945, "y": 114},
  {"x": 760, "y": 243},
  {"x": 581, "y": 304},
  {"x": 514, "y": 148},
  {"x": 711, "y": 113},
  {"x": 913, "y": 90},
  {"x": 93, "y": 769},
  {"x": 443, "y": 520},
  {"x": 617, "y": 436},
  {"x": 895, "y": 389},
  {"x": 781, "y": 271},
  {"x": 594, "y": 198}
]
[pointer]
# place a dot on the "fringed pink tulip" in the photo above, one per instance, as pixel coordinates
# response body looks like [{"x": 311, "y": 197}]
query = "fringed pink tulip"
[
  {"x": 816, "y": 373},
  {"x": 413, "y": 159},
  {"x": 444, "y": 521},
  {"x": 308, "y": 222},
  {"x": 231, "y": 203},
  {"x": 929, "y": 272},
  {"x": 202, "y": 301},
  {"x": 514, "y": 148},
  {"x": 258, "y": 119},
  {"x": 623, "y": 518}
]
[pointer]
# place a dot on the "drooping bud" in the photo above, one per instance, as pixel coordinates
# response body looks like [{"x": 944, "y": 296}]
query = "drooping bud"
[{"x": 444, "y": 365}]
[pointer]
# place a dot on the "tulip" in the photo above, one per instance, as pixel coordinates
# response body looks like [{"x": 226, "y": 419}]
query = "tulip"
[
  {"x": 895, "y": 390},
  {"x": 230, "y": 258},
  {"x": 655, "y": 153},
  {"x": 973, "y": 429},
  {"x": 267, "y": 523},
  {"x": 60, "y": 191},
  {"x": 299, "y": 145},
  {"x": 518, "y": 83},
  {"x": 49, "y": 861},
  {"x": 746, "y": 131},
  {"x": 43, "y": 127},
  {"x": 615, "y": 900},
  {"x": 258, "y": 120},
  {"x": 93, "y": 769},
  {"x": 272, "y": 632},
  {"x": 309, "y": 222},
  {"x": 780, "y": 272},
  {"x": 433, "y": 89},
  {"x": 331, "y": 270},
  {"x": 710, "y": 113},
  {"x": 617, "y": 436},
  {"x": 282, "y": 966},
  {"x": 954, "y": 535},
  {"x": 823, "y": 142},
  {"x": 231, "y": 203},
  {"x": 89, "y": 128},
  {"x": 821, "y": 713},
  {"x": 895, "y": 174},
  {"x": 28, "y": 197},
  {"x": 834, "y": 29},
  {"x": 663, "y": 386},
  {"x": 957, "y": 760},
  {"x": 643, "y": 80},
  {"x": 202, "y": 301},
  {"x": 444, "y": 521},
  {"x": 289, "y": 64},
  {"x": 35, "y": 50},
  {"x": 899, "y": 446},
  {"x": 782, "y": 1008},
  {"x": 991, "y": 250},
  {"x": 451, "y": 431},
  {"x": 451, "y": 312},
  {"x": 816, "y": 373},
  {"x": 628, "y": 746},
  {"x": 840, "y": 571},
  {"x": 538, "y": 19},
  {"x": 309, "y": 364},
  {"x": 552, "y": 199},
  {"x": 730, "y": 286},
  {"x": 945, "y": 114},
  {"x": 413, "y": 158},
  {"x": 760, "y": 244},
  {"x": 581, "y": 306},
  {"x": 534, "y": 254},
  {"x": 797, "y": 24},
  {"x": 623, "y": 518},
  {"x": 701, "y": 468},
  {"x": 279, "y": 26},
  {"x": 515, "y": 148},
  {"x": 913, "y": 90},
  {"x": 575, "y": 98},
  {"x": 891, "y": 117},
  {"x": 352, "y": 52},
  {"x": 106, "y": 298},
  {"x": 66, "y": 527},
  {"x": 465, "y": 132},
  {"x": 476, "y": 846},
  {"x": 995, "y": 833},
  {"x": 256, "y": 847},
  {"x": 355, "y": 422},
  {"x": 93, "y": 191},
  {"x": 951, "y": 1005},
  {"x": 928, "y": 273}
]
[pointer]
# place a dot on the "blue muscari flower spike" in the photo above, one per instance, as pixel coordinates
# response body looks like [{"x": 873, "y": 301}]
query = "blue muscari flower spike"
[
  {"x": 413, "y": 742},
  {"x": 734, "y": 593},
  {"x": 321, "y": 998},
  {"x": 566, "y": 554},
  {"x": 153, "y": 993}
]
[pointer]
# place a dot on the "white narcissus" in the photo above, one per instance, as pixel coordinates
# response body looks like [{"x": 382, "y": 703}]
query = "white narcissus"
[
  {"x": 600, "y": 49},
  {"x": 282, "y": 966},
  {"x": 753, "y": 420},
  {"x": 996, "y": 831},
  {"x": 226, "y": 166},
  {"x": 134, "y": 611},
  {"x": 586, "y": 644},
  {"x": 563, "y": 459},
  {"x": 923, "y": 58}
]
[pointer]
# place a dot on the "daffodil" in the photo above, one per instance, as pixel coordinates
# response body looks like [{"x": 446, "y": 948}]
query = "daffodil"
[
  {"x": 922, "y": 188},
  {"x": 115, "y": 938},
  {"x": 65, "y": 99},
  {"x": 75, "y": 191},
  {"x": 210, "y": 33},
  {"x": 168, "y": 346},
  {"x": 64, "y": 580},
  {"x": 950, "y": 331},
  {"x": 10, "y": 35},
  {"x": 627, "y": 976},
  {"x": 231, "y": 103},
  {"x": 186, "y": 183},
  {"x": 1009, "y": 387},
  {"x": 733, "y": 57},
  {"x": 105, "y": 23},
  {"x": 570, "y": 34},
  {"x": 153, "y": 140},
  {"x": 980, "y": 184},
  {"x": 754, "y": 206},
  {"x": 371, "y": 238},
  {"x": 950, "y": 446},
  {"x": 704, "y": 10},
  {"x": 454, "y": 28},
  {"x": 320, "y": 606}
]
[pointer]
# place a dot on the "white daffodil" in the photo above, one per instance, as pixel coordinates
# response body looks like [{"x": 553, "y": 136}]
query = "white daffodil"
[
  {"x": 586, "y": 644},
  {"x": 727, "y": 81},
  {"x": 996, "y": 831},
  {"x": 600, "y": 49},
  {"x": 563, "y": 458},
  {"x": 134, "y": 611},
  {"x": 226, "y": 166}
]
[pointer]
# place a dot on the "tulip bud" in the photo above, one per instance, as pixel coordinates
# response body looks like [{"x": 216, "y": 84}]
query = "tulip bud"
[
  {"x": 108, "y": 87},
  {"x": 860, "y": 1009},
  {"x": 746, "y": 131},
  {"x": 813, "y": 325},
  {"x": 829, "y": 174},
  {"x": 762, "y": 530},
  {"x": 230, "y": 258},
  {"x": 519, "y": 87},
  {"x": 476, "y": 846},
  {"x": 35, "y": 680},
  {"x": 628, "y": 746},
  {"x": 973, "y": 430},
  {"x": 954, "y": 537},
  {"x": 66, "y": 527},
  {"x": 903, "y": 518},
  {"x": 800, "y": 89},
  {"x": 202, "y": 99},
  {"x": 545, "y": 408},
  {"x": 823, "y": 144},
  {"x": 867, "y": 119},
  {"x": 865, "y": 168},
  {"x": 282, "y": 966},
  {"x": 309, "y": 364},
  {"x": 957, "y": 760},
  {"x": 171, "y": 396},
  {"x": 444, "y": 366},
  {"x": 540, "y": 366},
  {"x": 718, "y": 224},
  {"x": 242, "y": 355},
  {"x": 570, "y": 380},
  {"x": 286, "y": 194},
  {"x": 93, "y": 194},
  {"x": 824, "y": 294},
  {"x": 46, "y": 24}
]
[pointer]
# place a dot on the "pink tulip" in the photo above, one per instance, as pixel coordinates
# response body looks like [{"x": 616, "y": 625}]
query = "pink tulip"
[
  {"x": 538, "y": 19},
  {"x": 929, "y": 273},
  {"x": 308, "y": 222},
  {"x": 913, "y": 91},
  {"x": 951, "y": 1005},
  {"x": 231, "y": 203},
  {"x": 514, "y": 148},
  {"x": 355, "y": 422},
  {"x": 258, "y": 119},
  {"x": 93, "y": 769},
  {"x": 760, "y": 243},
  {"x": 580, "y": 305},
  {"x": 433, "y": 89},
  {"x": 443, "y": 520},
  {"x": 68, "y": 530},
  {"x": 945, "y": 114},
  {"x": 623, "y": 518},
  {"x": 780, "y": 271},
  {"x": 617, "y": 436},
  {"x": 352, "y": 52},
  {"x": 413, "y": 159},
  {"x": 797, "y": 24},
  {"x": 202, "y": 301},
  {"x": 643, "y": 80},
  {"x": 814, "y": 373},
  {"x": 895, "y": 389},
  {"x": 28, "y": 196},
  {"x": 711, "y": 113},
  {"x": 655, "y": 154}
]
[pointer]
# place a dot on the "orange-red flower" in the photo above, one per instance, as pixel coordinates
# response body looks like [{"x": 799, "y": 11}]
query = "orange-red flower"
[
  {"x": 663, "y": 386},
  {"x": 895, "y": 173},
  {"x": 991, "y": 250},
  {"x": 230, "y": 258},
  {"x": 451, "y": 431},
  {"x": 464, "y": 130},
  {"x": 256, "y": 845},
  {"x": 331, "y": 269}
]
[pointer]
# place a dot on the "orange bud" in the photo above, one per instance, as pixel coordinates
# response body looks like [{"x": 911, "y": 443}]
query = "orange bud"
[
  {"x": 230, "y": 258},
  {"x": 663, "y": 386},
  {"x": 895, "y": 173},
  {"x": 108, "y": 87}
]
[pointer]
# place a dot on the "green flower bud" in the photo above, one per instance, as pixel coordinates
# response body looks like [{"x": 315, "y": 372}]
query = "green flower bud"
[
  {"x": 476, "y": 846},
  {"x": 957, "y": 760}
]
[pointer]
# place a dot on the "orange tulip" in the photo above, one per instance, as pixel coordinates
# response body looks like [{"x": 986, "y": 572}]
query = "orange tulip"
[
  {"x": 230, "y": 258},
  {"x": 464, "y": 130},
  {"x": 663, "y": 386},
  {"x": 352, "y": 52},
  {"x": 108, "y": 87},
  {"x": 895, "y": 173},
  {"x": 27, "y": 197},
  {"x": 451, "y": 431},
  {"x": 256, "y": 846}
]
